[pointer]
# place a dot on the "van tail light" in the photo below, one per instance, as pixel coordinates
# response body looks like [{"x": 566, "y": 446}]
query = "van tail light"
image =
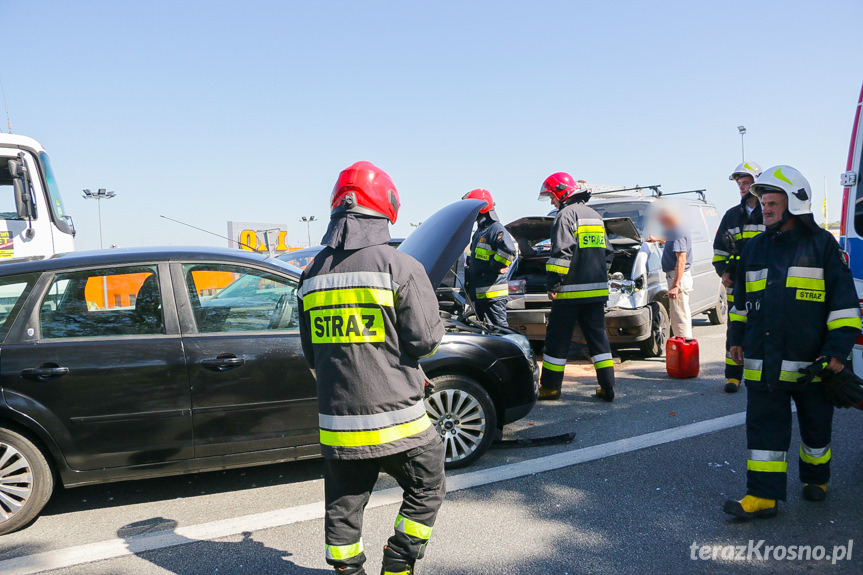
[{"x": 517, "y": 287}]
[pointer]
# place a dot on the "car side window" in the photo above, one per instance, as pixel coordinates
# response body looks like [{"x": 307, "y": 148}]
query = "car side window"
[
  {"x": 110, "y": 302},
  {"x": 13, "y": 291},
  {"x": 231, "y": 298}
]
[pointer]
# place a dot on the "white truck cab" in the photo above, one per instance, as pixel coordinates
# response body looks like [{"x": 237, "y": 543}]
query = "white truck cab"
[
  {"x": 33, "y": 221},
  {"x": 851, "y": 225}
]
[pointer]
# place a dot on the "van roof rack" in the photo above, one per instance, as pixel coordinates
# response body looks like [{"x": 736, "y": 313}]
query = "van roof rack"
[
  {"x": 637, "y": 189},
  {"x": 701, "y": 193},
  {"x": 655, "y": 190}
]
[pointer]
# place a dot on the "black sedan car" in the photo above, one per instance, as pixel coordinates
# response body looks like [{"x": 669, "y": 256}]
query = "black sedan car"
[{"x": 125, "y": 364}]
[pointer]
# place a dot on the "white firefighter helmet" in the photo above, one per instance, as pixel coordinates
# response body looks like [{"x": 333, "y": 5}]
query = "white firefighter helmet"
[
  {"x": 788, "y": 180},
  {"x": 746, "y": 169}
]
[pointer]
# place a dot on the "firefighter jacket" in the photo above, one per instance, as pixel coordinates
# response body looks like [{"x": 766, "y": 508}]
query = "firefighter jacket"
[
  {"x": 737, "y": 226},
  {"x": 491, "y": 250},
  {"x": 367, "y": 316},
  {"x": 796, "y": 302},
  {"x": 576, "y": 268}
]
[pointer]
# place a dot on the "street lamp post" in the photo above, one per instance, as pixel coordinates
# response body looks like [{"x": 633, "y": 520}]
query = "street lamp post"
[
  {"x": 742, "y": 130},
  {"x": 308, "y": 221},
  {"x": 99, "y": 195}
]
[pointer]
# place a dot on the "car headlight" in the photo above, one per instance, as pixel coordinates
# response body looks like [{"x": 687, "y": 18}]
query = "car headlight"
[
  {"x": 522, "y": 342},
  {"x": 627, "y": 287}
]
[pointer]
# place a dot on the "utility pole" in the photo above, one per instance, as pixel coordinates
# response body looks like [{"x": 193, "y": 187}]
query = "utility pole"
[
  {"x": 101, "y": 194},
  {"x": 742, "y": 130},
  {"x": 308, "y": 221}
]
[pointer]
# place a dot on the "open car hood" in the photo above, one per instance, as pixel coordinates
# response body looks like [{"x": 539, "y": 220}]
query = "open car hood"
[
  {"x": 531, "y": 229},
  {"x": 442, "y": 238},
  {"x": 535, "y": 229}
]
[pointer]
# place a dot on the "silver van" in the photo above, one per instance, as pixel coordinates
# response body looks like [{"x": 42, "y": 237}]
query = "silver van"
[{"x": 637, "y": 310}]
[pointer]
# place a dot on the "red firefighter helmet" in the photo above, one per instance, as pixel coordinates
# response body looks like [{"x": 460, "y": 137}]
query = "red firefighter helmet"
[
  {"x": 365, "y": 188},
  {"x": 481, "y": 194},
  {"x": 560, "y": 185}
]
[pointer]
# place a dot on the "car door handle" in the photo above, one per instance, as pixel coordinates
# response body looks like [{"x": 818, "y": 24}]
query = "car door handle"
[
  {"x": 223, "y": 362},
  {"x": 44, "y": 372}
]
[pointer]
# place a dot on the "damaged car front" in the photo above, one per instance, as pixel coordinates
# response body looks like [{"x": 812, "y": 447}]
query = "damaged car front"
[
  {"x": 635, "y": 285},
  {"x": 481, "y": 377}
]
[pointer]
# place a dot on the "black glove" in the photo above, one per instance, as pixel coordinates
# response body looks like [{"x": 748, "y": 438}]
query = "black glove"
[
  {"x": 810, "y": 372},
  {"x": 844, "y": 389}
]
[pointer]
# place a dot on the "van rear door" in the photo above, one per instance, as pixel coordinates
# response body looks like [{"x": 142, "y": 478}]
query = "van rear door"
[{"x": 851, "y": 225}]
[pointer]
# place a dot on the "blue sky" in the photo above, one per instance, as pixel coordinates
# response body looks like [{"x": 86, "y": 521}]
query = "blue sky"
[{"x": 211, "y": 111}]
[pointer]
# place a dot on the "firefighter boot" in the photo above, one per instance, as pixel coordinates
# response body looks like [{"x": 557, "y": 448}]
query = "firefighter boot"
[
  {"x": 351, "y": 570},
  {"x": 546, "y": 394},
  {"x": 606, "y": 393},
  {"x": 751, "y": 507},
  {"x": 814, "y": 492},
  {"x": 395, "y": 564},
  {"x": 732, "y": 385}
]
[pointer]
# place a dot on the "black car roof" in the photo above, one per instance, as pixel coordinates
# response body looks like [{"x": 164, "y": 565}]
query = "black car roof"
[{"x": 138, "y": 255}]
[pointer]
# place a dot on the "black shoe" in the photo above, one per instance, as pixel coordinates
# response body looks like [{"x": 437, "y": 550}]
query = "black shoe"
[
  {"x": 546, "y": 394},
  {"x": 814, "y": 492},
  {"x": 606, "y": 393},
  {"x": 732, "y": 386}
]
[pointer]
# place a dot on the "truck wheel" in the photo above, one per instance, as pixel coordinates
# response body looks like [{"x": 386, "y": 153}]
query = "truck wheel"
[
  {"x": 654, "y": 346},
  {"x": 26, "y": 481},
  {"x": 464, "y": 415},
  {"x": 719, "y": 314}
]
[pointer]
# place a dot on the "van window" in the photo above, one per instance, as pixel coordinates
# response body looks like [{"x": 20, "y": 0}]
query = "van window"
[
  {"x": 858, "y": 201},
  {"x": 7, "y": 192}
]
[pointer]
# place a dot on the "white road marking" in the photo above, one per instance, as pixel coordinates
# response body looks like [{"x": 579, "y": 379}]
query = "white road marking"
[{"x": 114, "y": 548}]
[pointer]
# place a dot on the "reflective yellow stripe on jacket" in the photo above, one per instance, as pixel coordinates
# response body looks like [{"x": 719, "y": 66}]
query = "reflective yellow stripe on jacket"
[
  {"x": 844, "y": 318},
  {"x": 756, "y": 280},
  {"x": 579, "y": 291},
  {"x": 374, "y": 429},
  {"x": 346, "y": 308},
  {"x": 805, "y": 278}
]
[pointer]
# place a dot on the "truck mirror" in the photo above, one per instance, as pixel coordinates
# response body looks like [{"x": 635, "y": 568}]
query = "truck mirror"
[{"x": 21, "y": 185}]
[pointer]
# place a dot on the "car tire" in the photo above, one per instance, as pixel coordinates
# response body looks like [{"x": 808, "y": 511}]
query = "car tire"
[
  {"x": 719, "y": 314},
  {"x": 26, "y": 481},
  {"x": 660, "y": 327},
  {"x": 465, "y": 417}
]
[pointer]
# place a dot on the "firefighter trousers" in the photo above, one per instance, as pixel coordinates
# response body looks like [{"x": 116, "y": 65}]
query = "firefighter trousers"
[
  {"x": 561, "y": 322},
  {"x": 492, "y": 311},
  {"x": 732, "y": 370},
  {"x": 768, "y": 438},
  {"x": 348, "y": 485}
]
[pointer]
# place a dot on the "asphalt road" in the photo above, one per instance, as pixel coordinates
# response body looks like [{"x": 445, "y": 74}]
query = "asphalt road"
[{"x": 643, "y": 481}]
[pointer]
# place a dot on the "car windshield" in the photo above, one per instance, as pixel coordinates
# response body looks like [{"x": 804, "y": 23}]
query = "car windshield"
[{"x": 301, "y": 258}]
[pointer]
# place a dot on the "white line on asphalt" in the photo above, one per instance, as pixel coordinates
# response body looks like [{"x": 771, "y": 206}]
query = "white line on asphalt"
[{"x": 114, "y": 548}]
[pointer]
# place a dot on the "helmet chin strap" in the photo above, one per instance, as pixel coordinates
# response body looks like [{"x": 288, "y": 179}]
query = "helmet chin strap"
[{"x": 786, "y": 215}]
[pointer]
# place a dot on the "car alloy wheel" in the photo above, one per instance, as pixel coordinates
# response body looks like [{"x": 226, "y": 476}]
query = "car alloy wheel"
[{"x": 16, "y": 481}]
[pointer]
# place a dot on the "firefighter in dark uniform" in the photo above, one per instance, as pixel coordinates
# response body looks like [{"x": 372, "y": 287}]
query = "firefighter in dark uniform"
[
  {"x": 492, "y": 251},
  {"x": 795, "y": 307},
  {"x": 577, "y": 285},
  {"x": 739, "y": 224},
  {"x": 365, "y": 322}
]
